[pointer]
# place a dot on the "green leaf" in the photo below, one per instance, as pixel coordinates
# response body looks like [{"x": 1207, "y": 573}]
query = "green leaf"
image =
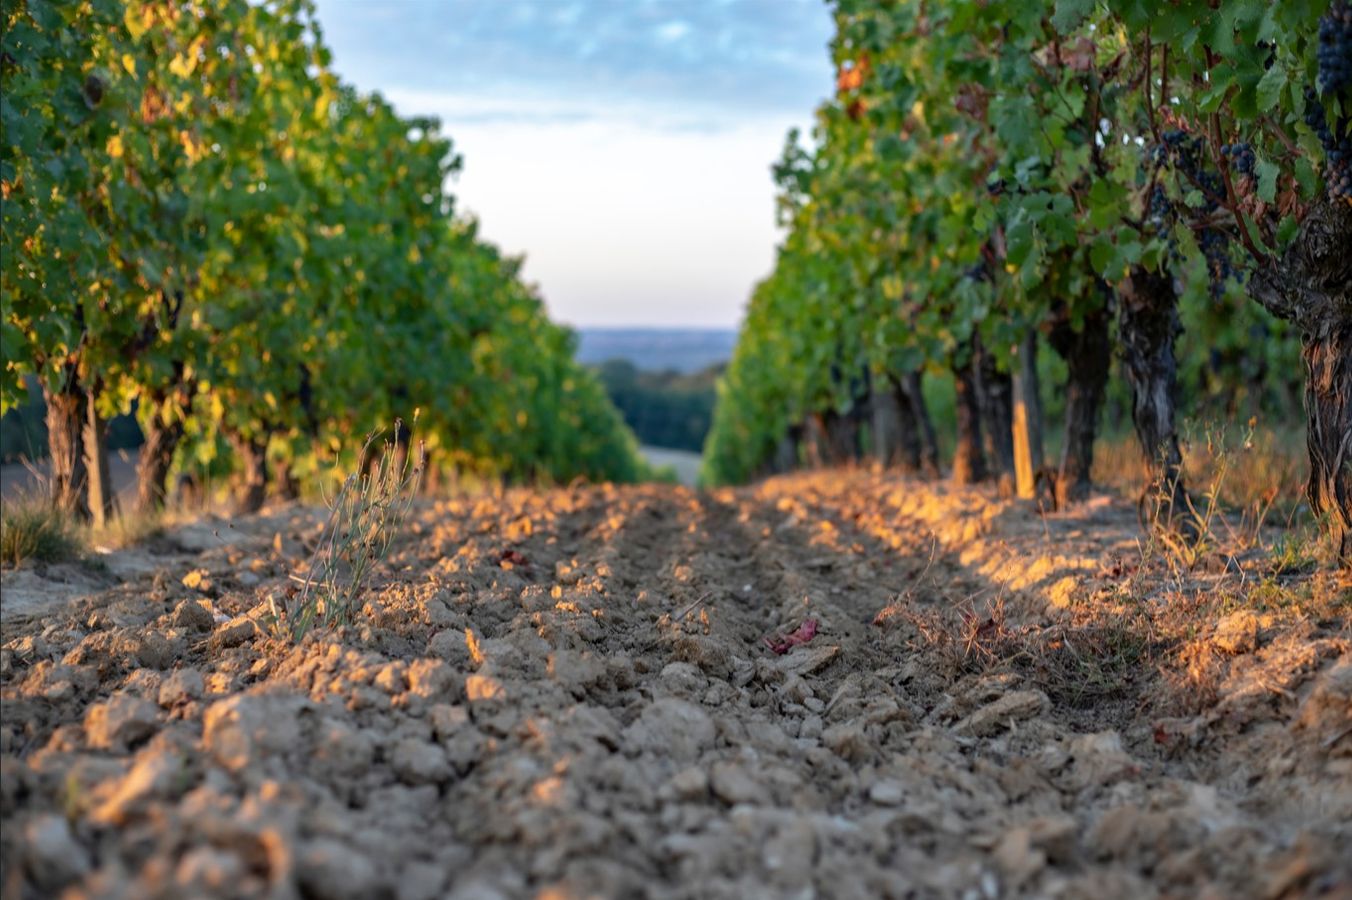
[
  {"x": 1270, "y": 88},
  {"x": 1070, "y": 13},
  {"x": 1267, "y": 180}
]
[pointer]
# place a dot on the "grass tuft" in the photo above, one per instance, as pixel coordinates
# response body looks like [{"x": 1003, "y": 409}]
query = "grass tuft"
[{"x": 31, "y": 528}]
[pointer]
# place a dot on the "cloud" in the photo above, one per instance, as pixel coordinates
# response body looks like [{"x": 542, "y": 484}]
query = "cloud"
[
  {"x": 621, "y": 223},
  {"x": 623, "y": 146},
  {"x": 752, "y": 54},
  {"x": 670, "y": 32}
]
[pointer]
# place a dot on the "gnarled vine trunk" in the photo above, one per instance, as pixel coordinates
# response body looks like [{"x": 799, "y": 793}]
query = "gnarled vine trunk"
[
  {"x": 785, "y": 456},
  {"x": 1311, "y": 286},
  {"x": 895, "y": 438},
  {"x": 814, "y": 441},
  {"x": 1147, "y": 327},
  {"x": 286, "y": 484},
  {"x": 969, "y": 459},
  {"x": 842, "y": 437},
  {"x": 66, "y": 412},
  {"x": 157, "y": 456},
  {"x": 1088, "y": 354},
  {"x": 251, "y": 489},
  {"x": 911, "y": 389}
]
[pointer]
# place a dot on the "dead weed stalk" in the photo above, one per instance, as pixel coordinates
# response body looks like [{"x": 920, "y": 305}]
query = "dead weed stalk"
[{"x": 364, "y": 519}]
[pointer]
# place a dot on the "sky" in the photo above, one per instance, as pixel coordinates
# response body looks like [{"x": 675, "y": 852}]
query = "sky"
[{"x": 623, "y": 146}]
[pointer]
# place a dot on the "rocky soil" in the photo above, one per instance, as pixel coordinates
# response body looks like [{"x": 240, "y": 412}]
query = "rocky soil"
[{"x": 571, "y": 694}]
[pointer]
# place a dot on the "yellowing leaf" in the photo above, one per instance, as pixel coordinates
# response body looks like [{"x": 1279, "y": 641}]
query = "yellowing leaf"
[
  {"x": 129, "y": 63},
  {"x": 115, "y": 146},
  {"x": 136, "y": 24},
  {"x": 183, "y": 64}
]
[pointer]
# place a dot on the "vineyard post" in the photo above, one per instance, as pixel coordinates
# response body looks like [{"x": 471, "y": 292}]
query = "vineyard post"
[
  {"x": 995, "y": 391},
  {"x": 1027, "y": 417}
]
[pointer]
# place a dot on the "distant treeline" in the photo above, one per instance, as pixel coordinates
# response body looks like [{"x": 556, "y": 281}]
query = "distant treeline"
[{"x": 664, "y": 409}]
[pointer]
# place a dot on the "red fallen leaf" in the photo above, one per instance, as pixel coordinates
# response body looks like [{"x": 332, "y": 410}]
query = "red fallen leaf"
[
  {"x": 509, "y": 558},
  {"x": 1161, "y": 736},
  {"x": 804, "y": 633}
]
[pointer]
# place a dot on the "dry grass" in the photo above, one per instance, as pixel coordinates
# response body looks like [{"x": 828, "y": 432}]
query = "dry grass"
[
  {"x": 1265, "y": 467},
  {"x": 1079, "y": 663},
  {"x": 365, "y": 517},
  {"x": 31, "y": 528},
  {"x": 1247, "y": 490},
  {"x": 128, "y": 529}
]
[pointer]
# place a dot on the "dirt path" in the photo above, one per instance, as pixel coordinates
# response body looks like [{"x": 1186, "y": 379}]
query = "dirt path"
[{"x": 570, "y": 694}]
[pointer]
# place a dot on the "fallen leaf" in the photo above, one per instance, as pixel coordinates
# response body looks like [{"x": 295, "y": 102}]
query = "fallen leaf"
[{"x": 801, "y": 635}]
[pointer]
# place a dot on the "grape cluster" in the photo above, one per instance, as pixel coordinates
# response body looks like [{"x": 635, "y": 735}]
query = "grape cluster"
[
  {"x": 1187, "y": 155},
  {"x": 1241, "y": 157},
  {"x": 1160, "y": 209},
  {"x": 1215, "y": 246},
  {"x": 1335, "y": 48},
  {"x": 1337, "y": 141}
]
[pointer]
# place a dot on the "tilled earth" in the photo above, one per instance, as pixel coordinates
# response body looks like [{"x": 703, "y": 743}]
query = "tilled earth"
[{"x": 570, "y": 694}]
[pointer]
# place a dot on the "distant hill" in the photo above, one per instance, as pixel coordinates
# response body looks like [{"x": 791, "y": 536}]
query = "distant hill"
[{"x": 685, "y": 350}]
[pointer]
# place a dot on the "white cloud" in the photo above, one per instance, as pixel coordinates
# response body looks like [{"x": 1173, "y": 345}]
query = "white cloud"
[
  {"x": 670, "y": 32},
  {"x": 625, "y": 218}
]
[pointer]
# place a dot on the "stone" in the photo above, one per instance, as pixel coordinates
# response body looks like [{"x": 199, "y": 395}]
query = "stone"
[
  {"x": 804, "y": 660},
  {"x": 345, "y": 750},
  {"x": 234, "y": 632},
  {"x": 207, "y": 870},
  {"x": 790, "y": 855},
  {"x": 733, "y": 784},
  {"x": 848, "y": 741},
  {"x": 419, "y": 762},
  {"x": 240, "y": 729},
  {"x": 450, "y": 645},
  {"x": 181, "y": 686},
  {"x": 691, "y": 783},
  {"x": 54, "y": 858},
  {"x": 448, "y": 720},
  {"x": 333, "y": 870},
  {"x": 683, "y": 679},
  {"x": 672, "y": 727},
  {"x": 391, "y": 678},
  {"x": 1016, "y": 857},
  {"x": 575, "y": 671},
  {"x": 157, "y": 773},
  {"x": 431, "y": 679},
  {"x": 1098, "y": 759},
  {"x": 193, "y": 616},
  {"x": 887, "y": 792},
  {"x": 995, "y": 717},
  {"x": 123, "y": 720},
  {"x": 481, "y": 688}
]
